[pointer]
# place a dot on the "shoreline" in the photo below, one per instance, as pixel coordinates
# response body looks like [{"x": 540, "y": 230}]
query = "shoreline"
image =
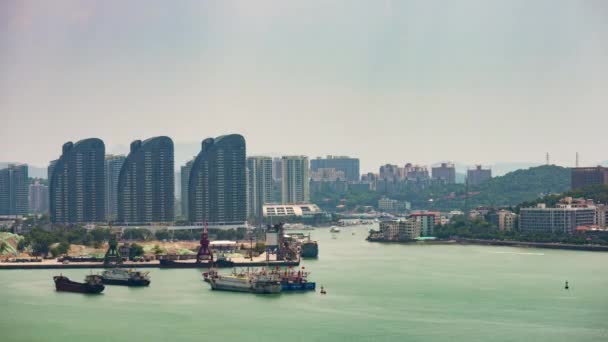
[{"x": 482, "y": 242}]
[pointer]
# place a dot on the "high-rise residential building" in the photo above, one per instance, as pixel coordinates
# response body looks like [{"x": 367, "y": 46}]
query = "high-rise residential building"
[
  {"x": 478, "y": 175},
  {"x": 295, "y": 180},
  {"x": 445, "y": 172},
  {"x": 586, "y": 176},
  {"x": 49, "y": 170},
  {"x": 184, "y": 180},
  {"x": 277, "y": 169},
  {"x": 146, "y": 184},
  {"x": 391, "y": 173},
  {"x": 217, "y": 188},
  {"x": 327, "y": 175},
  {"x": 113, "y": 166},
  {"x": 14, "y": 190},
  {"x": 564, "y": 218},
  {"x": 38, "y": 198},
  {"x": 259, "y": 184},
  {"x": 77, "y": 185},
  {"x": 414, "y": 173},
  {"x": 348, "y": 165}
]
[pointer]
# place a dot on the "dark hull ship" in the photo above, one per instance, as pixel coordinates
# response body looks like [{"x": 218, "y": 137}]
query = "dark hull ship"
[{"x": 92, "y": 284}]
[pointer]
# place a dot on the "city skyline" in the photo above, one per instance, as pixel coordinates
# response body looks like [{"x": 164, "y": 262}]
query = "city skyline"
[{"x": 358, "y": 80}]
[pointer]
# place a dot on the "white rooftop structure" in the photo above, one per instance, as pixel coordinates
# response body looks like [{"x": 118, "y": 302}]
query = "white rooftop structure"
[{"x": 290, "y": 209}]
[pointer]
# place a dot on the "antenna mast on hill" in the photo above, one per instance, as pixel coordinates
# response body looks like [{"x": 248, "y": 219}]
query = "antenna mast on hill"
[
  {"x": 547, "y": 159},
  {"x": 576, "y": 159}
]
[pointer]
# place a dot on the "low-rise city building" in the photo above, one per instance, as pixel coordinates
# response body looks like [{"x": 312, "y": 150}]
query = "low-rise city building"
[
  {"x": 391, "y": 205},
  {"x": 565, "y": 217},
  {"x": 506, "y": 220},
  {"x": 428, "y": 220},
  {"x": 400, "y": 229}
]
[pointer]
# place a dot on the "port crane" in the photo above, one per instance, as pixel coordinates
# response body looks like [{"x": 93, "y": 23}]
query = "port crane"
[{"x": 204, "y": 252}]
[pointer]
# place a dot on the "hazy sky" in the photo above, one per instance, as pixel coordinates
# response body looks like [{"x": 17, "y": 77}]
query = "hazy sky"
[{"x": 386, "y": 81}]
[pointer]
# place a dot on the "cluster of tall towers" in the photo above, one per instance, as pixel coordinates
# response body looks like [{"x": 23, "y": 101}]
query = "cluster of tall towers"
[{"x": 87, "y": 186}]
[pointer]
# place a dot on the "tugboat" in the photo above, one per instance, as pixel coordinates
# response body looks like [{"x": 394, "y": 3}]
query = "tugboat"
[
  {"x": 120, "y": 276},
  {"x": 310, "y": 249},
  {"x": 92, "y": 284}
]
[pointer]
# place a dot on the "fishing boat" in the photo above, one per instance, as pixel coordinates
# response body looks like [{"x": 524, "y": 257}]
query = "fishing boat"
[
  {"x": 292, "y": 280},
  {"x": 121, "y": 276},
  {"x": 243, "y": 282},
  {"x": 92, "y": 284}
]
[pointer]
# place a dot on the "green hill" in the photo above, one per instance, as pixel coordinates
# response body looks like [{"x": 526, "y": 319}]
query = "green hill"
[
  {"x": 598, "y": 193},
  {"x": 509, "y": 190}
]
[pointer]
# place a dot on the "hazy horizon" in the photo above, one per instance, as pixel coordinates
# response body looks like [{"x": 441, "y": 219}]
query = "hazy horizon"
[{"x": 387, "y": 82}]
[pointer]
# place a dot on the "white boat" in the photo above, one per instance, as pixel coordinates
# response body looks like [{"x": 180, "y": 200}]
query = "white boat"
[
  {"x": 121, "y": 276},
  {"x": 334, "y": 229},
  {"x": 243, "y": 282}
]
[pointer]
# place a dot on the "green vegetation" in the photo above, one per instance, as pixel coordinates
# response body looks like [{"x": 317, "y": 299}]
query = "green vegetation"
[
  {"x": 3, "y": 247},
  {"x": 140, "y": 234},
  {"x": 62, "y": 248},
  {"x": 508, "y": 190},
  {"x": 135, "y": 251},
  {"x": 157, "y": 250}
]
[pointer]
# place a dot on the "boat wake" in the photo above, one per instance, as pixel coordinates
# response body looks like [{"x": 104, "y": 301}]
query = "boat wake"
[{"x": 518, "y": 253}]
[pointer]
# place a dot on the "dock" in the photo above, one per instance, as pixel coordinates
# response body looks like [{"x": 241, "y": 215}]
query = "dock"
[{"x": 259, "y": 261}]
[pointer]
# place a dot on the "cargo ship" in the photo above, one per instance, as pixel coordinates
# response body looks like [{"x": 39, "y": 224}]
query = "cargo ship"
[
  {"x": 309, "y": 248},
  {"x": 121, "y": 276},
  {"x": 92, "y": 284},
  {"x": 243, "y": 282}
]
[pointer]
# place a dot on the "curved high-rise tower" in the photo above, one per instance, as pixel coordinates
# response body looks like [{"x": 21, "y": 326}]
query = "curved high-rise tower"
[
  {"x": 77, "y": 183},
  {"x": 146, "y": 186},
  {"x": 217, "y": 188}
]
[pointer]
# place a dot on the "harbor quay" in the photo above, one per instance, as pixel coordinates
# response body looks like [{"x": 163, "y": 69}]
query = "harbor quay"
[{"x": 259, "y": 261}]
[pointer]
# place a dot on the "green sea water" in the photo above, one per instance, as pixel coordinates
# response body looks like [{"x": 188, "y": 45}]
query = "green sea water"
[{"x": 376, "y": 292}]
